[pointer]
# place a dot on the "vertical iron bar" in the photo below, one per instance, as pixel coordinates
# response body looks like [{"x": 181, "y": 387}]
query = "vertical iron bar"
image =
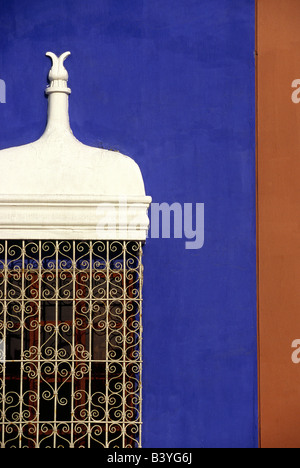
[
  {"x": 39, "y": 344},
  {"x": 107, "y": 348},
  {"x": 22, "y": 342},
  {"x": 56, "y": 344},
  {"x": 90, "y": 341},
  {"x": 140, "y": 342},
  {"x": 73, "y": 353},
  {"x": 4, "y": 344},
  {"x": 124, "y": 347}
]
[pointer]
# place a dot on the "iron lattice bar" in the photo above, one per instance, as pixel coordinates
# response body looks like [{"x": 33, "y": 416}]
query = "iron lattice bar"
[{"x": 70, "y": 344}]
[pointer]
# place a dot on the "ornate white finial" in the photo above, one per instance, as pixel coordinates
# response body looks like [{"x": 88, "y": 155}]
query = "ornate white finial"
[{"x": 58, "y": 75}]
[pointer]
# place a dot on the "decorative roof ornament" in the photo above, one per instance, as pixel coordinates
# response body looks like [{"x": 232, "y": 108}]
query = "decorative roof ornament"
[
  {"x": 58, "y": 75},
  {"x": 59, "y": 188}
]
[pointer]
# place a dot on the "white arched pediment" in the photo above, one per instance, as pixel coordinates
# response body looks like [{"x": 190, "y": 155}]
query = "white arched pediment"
[{"x": 57, "y": 187}]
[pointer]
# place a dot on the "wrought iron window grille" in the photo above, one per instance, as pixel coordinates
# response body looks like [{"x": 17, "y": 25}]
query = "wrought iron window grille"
[{"x": 70, "y": 334}]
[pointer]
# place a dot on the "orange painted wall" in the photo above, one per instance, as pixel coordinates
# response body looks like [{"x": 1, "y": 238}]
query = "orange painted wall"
[{"x": 278, "y": 167}]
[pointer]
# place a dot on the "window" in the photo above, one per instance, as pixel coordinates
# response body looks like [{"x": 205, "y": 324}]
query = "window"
[{"x": 70, "y": 344}]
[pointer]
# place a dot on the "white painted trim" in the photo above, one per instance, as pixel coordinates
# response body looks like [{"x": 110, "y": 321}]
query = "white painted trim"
[
  {"x": 74, "y": 218},
  {"x": 67, "y": 200}
]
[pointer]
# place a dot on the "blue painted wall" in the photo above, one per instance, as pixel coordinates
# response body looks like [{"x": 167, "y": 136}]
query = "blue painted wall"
[{"x": 170, "y": 83}]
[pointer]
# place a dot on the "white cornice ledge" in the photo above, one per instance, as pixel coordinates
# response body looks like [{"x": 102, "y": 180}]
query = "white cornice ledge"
[{"x": 74, "y": 217}]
